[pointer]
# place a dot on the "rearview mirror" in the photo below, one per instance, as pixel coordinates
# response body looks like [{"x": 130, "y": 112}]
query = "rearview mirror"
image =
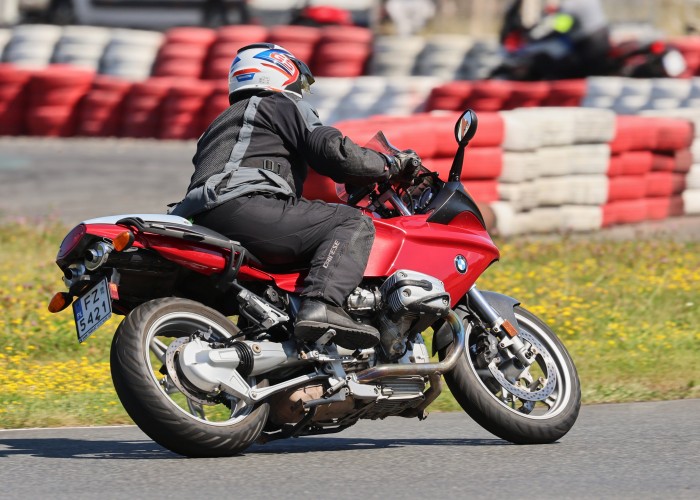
[{"x": 465, "y": 128}]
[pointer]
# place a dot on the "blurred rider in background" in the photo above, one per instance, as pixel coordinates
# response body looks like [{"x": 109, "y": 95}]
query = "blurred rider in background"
[
  {"x": 249, "y": 171},
  {"x": 566, "y": 38}
]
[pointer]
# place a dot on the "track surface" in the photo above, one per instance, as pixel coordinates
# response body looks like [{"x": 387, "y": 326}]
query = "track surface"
[{"x": 642, "y": 450}]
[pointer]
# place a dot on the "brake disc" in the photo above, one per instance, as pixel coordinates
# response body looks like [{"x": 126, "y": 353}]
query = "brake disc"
[
  {"x": 520, "y": 392},
  {"x": 171, "y": 355}
]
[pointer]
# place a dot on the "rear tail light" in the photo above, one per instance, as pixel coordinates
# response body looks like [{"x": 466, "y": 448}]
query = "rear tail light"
[{"x": 71, "y": 241}]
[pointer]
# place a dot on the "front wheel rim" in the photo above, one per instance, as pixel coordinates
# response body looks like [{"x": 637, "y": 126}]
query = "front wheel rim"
[{"x": 545, "y": 387}]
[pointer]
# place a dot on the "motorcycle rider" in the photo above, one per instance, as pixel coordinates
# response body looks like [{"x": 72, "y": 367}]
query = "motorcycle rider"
[
  {"x": 249, "y": 171},
  {"x": 570, "y": 40}
]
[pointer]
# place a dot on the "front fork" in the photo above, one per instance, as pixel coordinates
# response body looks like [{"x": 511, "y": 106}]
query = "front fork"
[{"x": 503, "y": 329}]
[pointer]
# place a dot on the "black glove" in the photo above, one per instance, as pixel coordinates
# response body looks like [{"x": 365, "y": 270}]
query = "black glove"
[{"x": 403, "y": 167}]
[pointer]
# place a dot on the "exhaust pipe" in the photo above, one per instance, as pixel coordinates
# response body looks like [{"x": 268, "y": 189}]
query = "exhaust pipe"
[{"x": 427, "y": 369}]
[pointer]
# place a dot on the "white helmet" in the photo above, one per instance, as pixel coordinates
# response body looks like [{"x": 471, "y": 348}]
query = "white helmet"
[{"x": 270, "y": 67}]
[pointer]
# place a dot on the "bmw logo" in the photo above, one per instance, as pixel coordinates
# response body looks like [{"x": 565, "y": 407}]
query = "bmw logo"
[{"x": 461, "y": 264}]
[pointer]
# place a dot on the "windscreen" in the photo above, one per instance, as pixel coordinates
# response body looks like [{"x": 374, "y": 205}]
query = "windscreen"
[{"x": 377, "y": 143}]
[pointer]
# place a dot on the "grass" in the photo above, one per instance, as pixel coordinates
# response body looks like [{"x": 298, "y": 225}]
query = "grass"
[{"x": 628, "y": 311}]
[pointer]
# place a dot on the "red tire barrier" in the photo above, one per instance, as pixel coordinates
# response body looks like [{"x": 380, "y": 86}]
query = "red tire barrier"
[
  {"x": 627, "y": 187},
  {"x": 450, "y": 96},
  {"x": 142, "y": 108},
  {"x": 216, "y": 103},
  {"x": 673, "y": 134},
  {"x": 489, "y": 95},
  {"x": 183, "y": 53},
  {"x": 624, "y": 212},
  {"x": 181, "y": 116},
  {"x": 527, "y": 94},
  {"x": 565, "y": 93},
  {"x": 228, "y": 40},
  {"x": 13, "y": 99},
  {"x": 483, "y": 191},
  {"x": 677, "y": 161},
  {"x": 100, "y": 112},
  {"x": 634, "y": 133},
  {"x": 636, "y": 162},
  {"x": 342, "y": 51},
  {"x": 299, "y": 40},
  {"x": 664, "y": 184},
  {"x": 615, "y": 166},
  {"x": 54, "y": 94},
  {"x": 479, "y": 164}
]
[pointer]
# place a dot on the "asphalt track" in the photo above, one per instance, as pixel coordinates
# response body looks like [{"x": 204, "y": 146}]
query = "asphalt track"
[{"x": 641, "y": 450}]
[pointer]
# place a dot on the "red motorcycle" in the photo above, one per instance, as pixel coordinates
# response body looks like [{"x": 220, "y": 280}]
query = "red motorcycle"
[{"x": 206, "y": 364}]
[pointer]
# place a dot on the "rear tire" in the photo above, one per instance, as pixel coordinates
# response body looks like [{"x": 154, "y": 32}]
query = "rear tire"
[
  {"x": 485, "y": 400},
  {"x": 153, "y": 405}
]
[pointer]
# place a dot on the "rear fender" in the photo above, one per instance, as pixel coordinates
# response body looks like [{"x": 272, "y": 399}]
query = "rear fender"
[{"x": 503, "y": 304}]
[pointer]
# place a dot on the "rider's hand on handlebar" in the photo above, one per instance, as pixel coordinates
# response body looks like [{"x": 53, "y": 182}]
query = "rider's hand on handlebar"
[{"x": 403, "y": 167}]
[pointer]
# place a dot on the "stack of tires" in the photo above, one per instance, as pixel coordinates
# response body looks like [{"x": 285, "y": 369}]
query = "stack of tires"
[
  {"x": 13, "y": 99},
  {"x": 215, "y": 104},
  {"x": 182, "y": 110},
  {"x": 483, "y": 57},
  {"x": 342, "y": 51},
  {"x": 495, "y": 95},
  {"x": 143, "y": 107},
  {"x": 54, "y": 94},
  {"x": 629, "y": 96},
  {"x": 184, "y": 52},
  {"x": 102, "y": 109},
  {"x": 651, "y": 158},
  {"x": 327, "y": 95},
  {"x": 554, "y": 170},
  {"x": 130, "y": 54},
  {"x": 450, "y": 96},
  {"x": 32, "y": 45},
  {"x": 82, "y": 46},
  {"x": 5, "y": 36},
  {"x": 444, "y": 57},
  {"x": 360, "y": 99},
  {"x": 394, "y": 56},
  {"x": 691, "y": 194},
  {"x": 227, "y": 42}
]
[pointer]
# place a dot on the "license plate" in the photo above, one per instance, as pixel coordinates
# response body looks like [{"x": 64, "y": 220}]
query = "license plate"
[{"x": 92, "y": 310}]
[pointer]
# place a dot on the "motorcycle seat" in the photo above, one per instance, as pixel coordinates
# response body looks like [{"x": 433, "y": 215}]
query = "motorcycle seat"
[{"x": 249, "y": 259}]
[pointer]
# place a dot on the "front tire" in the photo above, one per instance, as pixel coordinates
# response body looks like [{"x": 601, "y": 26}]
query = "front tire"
[
  {"x": 544, "y": 400},
  {"x": 212, "y": 427}
]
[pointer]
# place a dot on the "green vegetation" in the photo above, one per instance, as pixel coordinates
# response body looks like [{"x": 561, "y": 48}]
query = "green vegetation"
[{"x": 628, "y": 312}]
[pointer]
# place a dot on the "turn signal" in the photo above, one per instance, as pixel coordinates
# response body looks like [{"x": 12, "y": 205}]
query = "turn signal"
[
  {"x": 59, "y": 302},
  {"x": 123, "y": 241}
]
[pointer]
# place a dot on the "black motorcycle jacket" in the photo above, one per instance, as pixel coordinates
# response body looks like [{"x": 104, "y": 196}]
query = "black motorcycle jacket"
[{"x": 262, "y": 144}]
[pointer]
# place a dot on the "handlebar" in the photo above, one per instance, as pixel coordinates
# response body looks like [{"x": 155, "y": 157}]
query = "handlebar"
[{"x": 355, "y": 197}]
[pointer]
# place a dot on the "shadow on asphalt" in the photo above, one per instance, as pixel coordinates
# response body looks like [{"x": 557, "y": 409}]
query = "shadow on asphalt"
[
  {"x": 303, "y": 445},
  {"x": 132, "y": 450},
  {"x": 79, "y": 448}
]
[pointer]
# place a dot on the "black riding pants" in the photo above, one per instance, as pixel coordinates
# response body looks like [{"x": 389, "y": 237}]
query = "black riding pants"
[{"x": 335, "y": 240}]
